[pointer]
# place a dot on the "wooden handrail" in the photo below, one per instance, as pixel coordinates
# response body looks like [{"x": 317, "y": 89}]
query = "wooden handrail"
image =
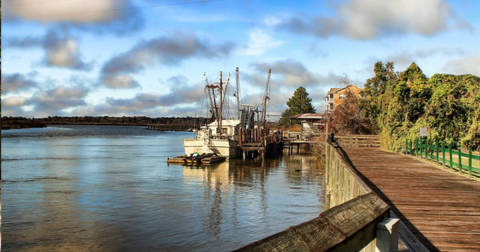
[
  {"x": 328, "y": 231},
  {"x": 348, "y": 224}
]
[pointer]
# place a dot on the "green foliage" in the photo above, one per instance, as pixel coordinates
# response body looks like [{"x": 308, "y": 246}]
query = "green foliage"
[
  {"x": 402, "y": 103},
  {"x": 299, "y": 103}
]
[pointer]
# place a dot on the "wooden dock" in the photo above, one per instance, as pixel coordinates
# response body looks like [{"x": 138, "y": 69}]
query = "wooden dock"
[{"x": 442, "y": 209}]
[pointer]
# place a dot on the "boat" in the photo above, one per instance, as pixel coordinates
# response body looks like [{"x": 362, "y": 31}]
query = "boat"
[
  {"x": 233, "y": 138},
  {"x": 196, "y": 159}
]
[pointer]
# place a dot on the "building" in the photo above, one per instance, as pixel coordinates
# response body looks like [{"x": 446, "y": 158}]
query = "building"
[
  {"x": 312, "y": 125},
  {"x": 336, "y": 96}
]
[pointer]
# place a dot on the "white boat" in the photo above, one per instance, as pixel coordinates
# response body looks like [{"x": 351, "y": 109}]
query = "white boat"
[
  {"x": 208, "y": 140},
  {"x": 231, "y": 138}
]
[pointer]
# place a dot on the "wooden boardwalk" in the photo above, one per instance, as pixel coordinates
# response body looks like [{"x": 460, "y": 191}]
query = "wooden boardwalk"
[{"x": 441, "y": 209}]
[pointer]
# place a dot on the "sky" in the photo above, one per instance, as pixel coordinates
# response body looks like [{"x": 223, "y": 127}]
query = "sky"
[{"x": 150, "y": 57}]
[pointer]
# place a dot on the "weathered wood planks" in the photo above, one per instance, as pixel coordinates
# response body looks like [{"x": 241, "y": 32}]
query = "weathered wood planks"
[
  {"x": 331, "y": 230},
  {"x": 442, "y": 209}
]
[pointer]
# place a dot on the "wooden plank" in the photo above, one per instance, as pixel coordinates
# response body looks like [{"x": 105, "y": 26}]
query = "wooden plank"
[
  {"x": 332, "y": 228},
  {"x": 442, "y": 209}
]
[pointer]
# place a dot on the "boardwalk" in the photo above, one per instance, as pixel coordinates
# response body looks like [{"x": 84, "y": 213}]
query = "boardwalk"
[{"x": 442, "y": 209}]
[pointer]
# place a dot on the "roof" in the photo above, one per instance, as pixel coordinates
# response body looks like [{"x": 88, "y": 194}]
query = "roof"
[
  {"x": 311, "y": 116},
  {"x": 334, "y": 90}
]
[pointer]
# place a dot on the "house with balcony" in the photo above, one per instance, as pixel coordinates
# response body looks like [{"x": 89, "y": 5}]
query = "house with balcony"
[{"x": 336, "y": 96}]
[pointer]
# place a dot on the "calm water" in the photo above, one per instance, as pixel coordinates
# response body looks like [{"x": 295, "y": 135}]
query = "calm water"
[{"x": 109, "y": 188}]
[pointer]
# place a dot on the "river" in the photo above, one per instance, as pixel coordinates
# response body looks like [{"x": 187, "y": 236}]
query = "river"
[{"x": 109, "y": 188}]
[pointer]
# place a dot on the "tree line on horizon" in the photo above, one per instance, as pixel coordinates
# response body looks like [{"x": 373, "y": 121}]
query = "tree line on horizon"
[{"x": 22, "y": 122}]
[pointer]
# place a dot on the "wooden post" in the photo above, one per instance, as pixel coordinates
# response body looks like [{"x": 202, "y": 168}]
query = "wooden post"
[{"x": 387, "y": 235}]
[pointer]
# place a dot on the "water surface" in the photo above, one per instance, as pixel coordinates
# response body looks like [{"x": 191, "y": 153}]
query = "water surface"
[{"x": 109, "y": 188}]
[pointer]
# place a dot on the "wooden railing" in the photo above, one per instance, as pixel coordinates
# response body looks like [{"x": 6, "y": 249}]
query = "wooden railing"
[
  {"x": 359, "y": 141},
  {"x": 351, "y": 221},
  {"x": 439, "y": 152}
]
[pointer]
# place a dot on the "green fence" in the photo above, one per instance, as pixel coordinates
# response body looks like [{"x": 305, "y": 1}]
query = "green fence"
[{"x": 441, "y": 153}]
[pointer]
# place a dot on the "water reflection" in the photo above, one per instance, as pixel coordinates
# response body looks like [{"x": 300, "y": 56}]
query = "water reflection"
[
  {"x": 244, "y": 193},
  {"x": 72, "y": 192}
]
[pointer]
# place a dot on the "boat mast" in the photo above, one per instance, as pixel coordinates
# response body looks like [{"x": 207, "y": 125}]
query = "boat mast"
[
  {"x": 264, "y": 114},
  {"x": 220, "y": 89},
  {"x": 237, "y": 94},
  {"x": 210, "y": 92}
]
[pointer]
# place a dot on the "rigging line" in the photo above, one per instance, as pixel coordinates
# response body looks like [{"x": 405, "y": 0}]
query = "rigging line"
[
  {"x": 126, "y": 8},
  {"x": 201, "y": 106},
  {"x": 271, "y": 104}
]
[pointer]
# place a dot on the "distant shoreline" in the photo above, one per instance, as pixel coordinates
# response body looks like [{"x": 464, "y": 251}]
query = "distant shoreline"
[{"x": 168, "y": 122}]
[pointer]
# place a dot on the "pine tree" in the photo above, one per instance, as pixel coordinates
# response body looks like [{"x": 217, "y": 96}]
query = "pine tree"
[{"x": 299, "y": 103}]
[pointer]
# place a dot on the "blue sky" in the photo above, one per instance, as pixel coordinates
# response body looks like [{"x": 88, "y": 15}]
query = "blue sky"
[{"x": 148, "y": 57}]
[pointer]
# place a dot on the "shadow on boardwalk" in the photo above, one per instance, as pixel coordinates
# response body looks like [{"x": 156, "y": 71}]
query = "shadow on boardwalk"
[{"x": 441, "y": 209}]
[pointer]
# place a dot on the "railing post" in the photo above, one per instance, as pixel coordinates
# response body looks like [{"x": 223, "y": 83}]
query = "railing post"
[
  {"x": 429, "y": 149},
  {"x": 436, "y": 148},
  {"x": 416, "y": 147},
  {"x": 421, "y": 147},
  {"x": 406, "y": 146},
  {"x": 459, "y": 146},
  {"x": 451, "y": 158},
  {"x": 387, "y": 235},
  {"x": 469, "y": 161},
  {"x": 443, "y": 153},
  {"x": 424, "y": 147}
]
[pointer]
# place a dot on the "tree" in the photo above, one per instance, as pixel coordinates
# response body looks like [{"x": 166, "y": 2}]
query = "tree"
[
  {"x": 347, "y": 118},
  {"x": 299, "y": 103}
]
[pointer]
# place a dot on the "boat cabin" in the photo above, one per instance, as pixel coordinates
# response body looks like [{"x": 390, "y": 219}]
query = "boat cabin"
[{"x": 230, "y": 129}]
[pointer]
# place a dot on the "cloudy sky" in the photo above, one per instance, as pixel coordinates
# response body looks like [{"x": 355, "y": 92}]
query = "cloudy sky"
[{"x": 148, "y": 57}]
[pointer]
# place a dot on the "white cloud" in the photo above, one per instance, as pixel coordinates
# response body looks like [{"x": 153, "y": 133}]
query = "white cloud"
[
  {"x": 120, "y": 81},
  {"x": 14, "y": 101},
  {"x": 469, "y": 65},
  {"x": 272, "y": 21},
  {"x": 367, "y": 19},
  {"x": 64, "y": 54},
  {"x": 259, "y": 42},
  {"x": 78, "y": 11}
]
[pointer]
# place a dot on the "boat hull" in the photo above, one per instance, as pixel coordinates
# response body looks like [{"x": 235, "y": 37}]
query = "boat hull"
[{"x": 226, "y": 148}]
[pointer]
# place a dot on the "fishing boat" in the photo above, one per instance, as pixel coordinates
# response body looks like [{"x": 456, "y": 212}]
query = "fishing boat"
[{"x": 232, "y": 138}]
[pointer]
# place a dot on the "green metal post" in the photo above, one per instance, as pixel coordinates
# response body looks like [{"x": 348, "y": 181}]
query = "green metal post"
[
  {"x": 427, "y": 149},
  {"x": 459, "y": 157},
  {"x": 436, "y": 148},
  {"x": 416, "y": 147},
  {"x": 406, "y": 146},
  {"x": 469, "y": 161},
  {"x": 421, "y": 147},
  {"x": 443, "y": 153},
  {"x": 451, "y": 158}
]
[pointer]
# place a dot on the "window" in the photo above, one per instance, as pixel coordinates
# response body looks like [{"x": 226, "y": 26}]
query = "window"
[
  {"x": 342, "y": 96},
  {"x": 331, "y": 96}
]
